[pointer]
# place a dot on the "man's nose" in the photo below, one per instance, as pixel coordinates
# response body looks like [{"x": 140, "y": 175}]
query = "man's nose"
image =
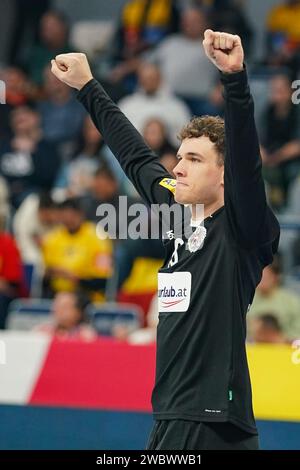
[{"x": 179, "y": 169}]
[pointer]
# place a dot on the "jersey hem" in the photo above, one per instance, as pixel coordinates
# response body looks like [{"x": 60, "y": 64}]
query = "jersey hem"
[{"x": 215, "y": 419}]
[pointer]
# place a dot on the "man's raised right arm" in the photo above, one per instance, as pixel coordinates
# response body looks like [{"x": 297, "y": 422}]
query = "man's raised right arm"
[{"x": 138, "y": 161}]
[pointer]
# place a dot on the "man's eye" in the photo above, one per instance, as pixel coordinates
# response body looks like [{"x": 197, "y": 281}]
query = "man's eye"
[{"x": 195, "y": 160}]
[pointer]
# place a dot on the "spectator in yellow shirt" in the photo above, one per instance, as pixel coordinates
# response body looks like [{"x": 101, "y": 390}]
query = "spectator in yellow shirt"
[
  {"x": 284, "y": 19},
  {"x": 283, "y": 36},
  {"x": 74, "y": 256}
]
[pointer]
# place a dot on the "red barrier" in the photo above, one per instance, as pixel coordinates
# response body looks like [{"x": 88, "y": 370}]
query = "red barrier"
[{"x": 105, "y": 374}]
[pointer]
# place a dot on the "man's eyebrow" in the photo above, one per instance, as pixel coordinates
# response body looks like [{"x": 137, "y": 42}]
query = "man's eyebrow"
[{"x": 191, "y": 154}]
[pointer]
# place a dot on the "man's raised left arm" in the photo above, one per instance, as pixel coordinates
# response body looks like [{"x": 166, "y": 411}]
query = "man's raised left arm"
[{"x": 251, "y": 221}]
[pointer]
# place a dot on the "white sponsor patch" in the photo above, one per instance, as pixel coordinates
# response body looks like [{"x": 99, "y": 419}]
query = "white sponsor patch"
[{"x": 174, "y": 291}]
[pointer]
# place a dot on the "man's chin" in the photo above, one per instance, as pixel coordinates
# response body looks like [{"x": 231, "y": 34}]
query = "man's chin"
[{"x": 181, "y": 199}]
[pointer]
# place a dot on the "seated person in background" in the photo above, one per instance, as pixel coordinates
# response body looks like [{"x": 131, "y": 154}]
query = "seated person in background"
[
  {"x": 280, "y": 138},
  {"x": 10, "y": 271},
  {"x": 36, "y": 216},
  {"x": 54, "y": 32},
  {"x": 229, "y": 16},
  {"x": 74, "y": 256},
  {"x": 75, "y": 176},
  {"x": 18, "y": 92},
  {"x": 62, "y": 116},
  {"x": 139, "y": 260},
  {"x": 155, "y": 134},
  {"x": 266, "y": 329},
  {"x": 215, "y": 105},
  {"x": 154, "y": 100},
  {"x": 143, "y": 24},
  {"x": 183, "y": 63},
  {"x": 270, "y": 296},
  {"x": 104, "y": 188},
  {"x": 283, "y": 35},
  {"x": 144, "y": 335},
  {"x": 69, "y": 319},
  {"x": 27, "y": 162}
]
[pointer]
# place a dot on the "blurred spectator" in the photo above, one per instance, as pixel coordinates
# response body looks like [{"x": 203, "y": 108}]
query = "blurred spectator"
[
  {"x": 74, "y": 256},
  {"x": 36, "y": 216},
  {"x": 143, "y": 24},
  {"x": 216, "y": 104},
  {"x": 153, "y": 100},
  {"x": 75, "y": 176},
  {"x": 18, "y": 92},
  {"x": 69, "y": 318},
  {"x": 104, "y": 189},
  {"x": 144, "y": 335},
  {"x": 183, "y": 62},
  {"x": 62, "y": 115},
  {"x": 270, "y": 296},
  {"x": 280, "y": 138},
  {"x": 266, "y": 329},
  {"x": 155, "y": 134},
  {"x": 139, "y": 260},
  {"x": 27, "y": 161},
  {"x": 283, "y": 20},
  {"x": 283, "y": 34},
  {"x": 53, "y": 32},
  {"x": 228, "y": 16},
  {"x": 25, "y": 26},
  {"x": 18, "y": 87},
  {"x": 10, "y": 271}
]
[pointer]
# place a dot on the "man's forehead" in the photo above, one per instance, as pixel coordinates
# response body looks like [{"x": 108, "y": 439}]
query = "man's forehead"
[{"x": 196, "y": 145}]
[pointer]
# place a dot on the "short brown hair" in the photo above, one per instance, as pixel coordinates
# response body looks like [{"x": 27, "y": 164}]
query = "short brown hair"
[{"x": 208, "y": 126}]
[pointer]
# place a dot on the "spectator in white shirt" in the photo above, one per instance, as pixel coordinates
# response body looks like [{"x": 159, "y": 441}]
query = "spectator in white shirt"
[
  {"x": 183, "y": 62},
  {"x": 154, "y": 100}
]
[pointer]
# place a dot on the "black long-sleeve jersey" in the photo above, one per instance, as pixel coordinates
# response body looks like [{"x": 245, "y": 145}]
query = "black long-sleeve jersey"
[{"x": 201, "y": 364}]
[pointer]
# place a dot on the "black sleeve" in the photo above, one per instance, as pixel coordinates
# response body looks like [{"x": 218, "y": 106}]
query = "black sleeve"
[
  {"x": 140, "y": 164},
  {"x": 251, "y": 222}
]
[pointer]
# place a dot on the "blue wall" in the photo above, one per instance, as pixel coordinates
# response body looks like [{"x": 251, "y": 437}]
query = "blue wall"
[{"x": 41, "y": 428}]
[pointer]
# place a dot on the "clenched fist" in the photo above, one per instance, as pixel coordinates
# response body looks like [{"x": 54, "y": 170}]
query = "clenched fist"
[
  {"x": 72, "y": 69},
  {"x": 224, "y": 50}
]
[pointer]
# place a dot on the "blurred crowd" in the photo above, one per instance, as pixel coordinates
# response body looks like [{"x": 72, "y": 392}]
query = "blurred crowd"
[{"x": 55, "y": 169}]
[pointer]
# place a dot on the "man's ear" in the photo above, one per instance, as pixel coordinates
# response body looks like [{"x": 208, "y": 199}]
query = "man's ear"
[{"x": 222, "y": 182}]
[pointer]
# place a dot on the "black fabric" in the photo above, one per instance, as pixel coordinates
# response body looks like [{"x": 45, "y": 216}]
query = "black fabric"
[
  {"x": 201, "y": 363},
  {"x": 192, "y": 435}
]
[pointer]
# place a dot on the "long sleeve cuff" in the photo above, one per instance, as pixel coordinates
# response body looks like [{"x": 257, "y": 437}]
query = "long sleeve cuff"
[
  {"x": 87, "y": 87},
  {"x": 236, "y": 87}
]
